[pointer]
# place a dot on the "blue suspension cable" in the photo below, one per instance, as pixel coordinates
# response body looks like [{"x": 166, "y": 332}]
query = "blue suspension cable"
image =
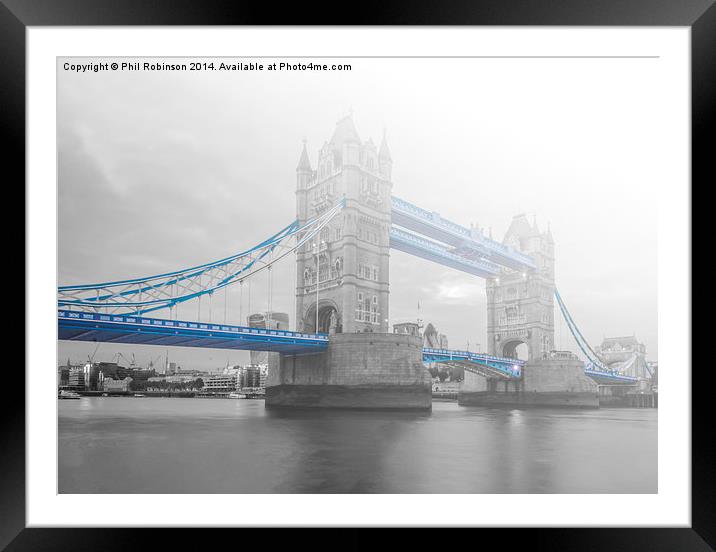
[{"x": 578, "y": 337}]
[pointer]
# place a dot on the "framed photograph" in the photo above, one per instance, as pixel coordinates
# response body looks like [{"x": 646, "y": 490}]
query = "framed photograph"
[{"x": 417, "y": 269}]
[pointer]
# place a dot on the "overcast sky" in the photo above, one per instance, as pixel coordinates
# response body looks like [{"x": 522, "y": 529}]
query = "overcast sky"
[{"x": 160, "y": 171}]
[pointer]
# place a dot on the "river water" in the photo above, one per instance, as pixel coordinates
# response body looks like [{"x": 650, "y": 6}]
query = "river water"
[{"x": 171, "y": 445}]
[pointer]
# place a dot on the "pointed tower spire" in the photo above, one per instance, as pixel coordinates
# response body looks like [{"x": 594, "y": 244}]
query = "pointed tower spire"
[
  {"x": 535, "y": 228},
  {"x": 384, "y": 152},
  {"x": 384, "y": 160},
  {"x": 304, "y": 164},
  {"x": 548, "y": 234},
  {"x": 345, "y": 132}
]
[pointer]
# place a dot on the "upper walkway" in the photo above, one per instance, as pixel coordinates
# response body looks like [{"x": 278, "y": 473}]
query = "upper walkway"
[{"x": 469, "y": 242}]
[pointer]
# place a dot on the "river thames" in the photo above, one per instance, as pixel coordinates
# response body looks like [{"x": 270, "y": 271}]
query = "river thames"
[{"x": 173, "y": 445}]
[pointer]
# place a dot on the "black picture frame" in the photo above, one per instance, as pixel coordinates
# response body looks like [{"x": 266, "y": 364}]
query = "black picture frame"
[{"x": 699, "y": 15}]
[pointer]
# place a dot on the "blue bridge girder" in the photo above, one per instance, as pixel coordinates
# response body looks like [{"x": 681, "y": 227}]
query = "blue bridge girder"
[
  {"x": 140, "y": 330},
  {"x": 486, "y": 365},
  {"x": 602, "y": 377},
  {"x": 465, "y": 242}
]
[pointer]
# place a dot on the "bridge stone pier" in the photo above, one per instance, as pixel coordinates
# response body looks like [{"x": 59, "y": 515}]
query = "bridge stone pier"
[
  {"x": 544, "y": 382},
  {"x": 359, "y": 370}
]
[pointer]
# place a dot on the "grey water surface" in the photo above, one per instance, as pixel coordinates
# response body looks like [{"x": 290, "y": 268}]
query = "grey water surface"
[{"x": 174, "y": 445}]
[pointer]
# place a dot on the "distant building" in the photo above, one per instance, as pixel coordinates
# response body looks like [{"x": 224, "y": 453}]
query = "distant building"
[
  {"x": 270, "y": 321},
  {"x": 76, "y": 378},
  {"x": 63, "y": 373},
  {"x": 410, "y": 328},
  {"x": 625, "y": 355},
  {"x": 173, "y": 379},
  {"x": 63, "y": 376},
  {"x": 182, "y": 372},
  {"x": 239, "y": 371},
  {"x": 251, "y": 376},
  {"x": 619, "y": 349},
  {"x": 88, "y": 378},
  {"x": 122, "y": 385},
  {"x": 262, "y": 376},
  {"x": 181, "y": 378},
  {"x": 113, "y": 370},
  {"x": 433, "y": 339},
  {"x": 220, "y": 384},
  {"x": 142, "y": 375}
]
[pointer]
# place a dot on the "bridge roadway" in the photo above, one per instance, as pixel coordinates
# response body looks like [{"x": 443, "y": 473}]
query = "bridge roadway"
[
  {"x": 486, "y": 365},
  {"x": 141, "y": 330},
  {"x": 610, "y": 378}
]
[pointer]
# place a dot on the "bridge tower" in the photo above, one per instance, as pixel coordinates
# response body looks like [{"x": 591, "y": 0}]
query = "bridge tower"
[
  {"x": 520, "y": 305},
  {"x": 349, "y": 261}
]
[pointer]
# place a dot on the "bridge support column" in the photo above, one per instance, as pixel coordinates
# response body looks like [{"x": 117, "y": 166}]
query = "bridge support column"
[
  {"x": 359, "y": 370},
  {"x": 553, "y": 382}
]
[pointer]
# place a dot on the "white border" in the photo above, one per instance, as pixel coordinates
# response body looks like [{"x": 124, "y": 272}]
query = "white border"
[{"x": 671, "y": 506}]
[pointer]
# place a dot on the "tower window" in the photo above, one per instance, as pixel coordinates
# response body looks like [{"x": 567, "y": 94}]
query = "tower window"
[{"x": 359, "y": 307}]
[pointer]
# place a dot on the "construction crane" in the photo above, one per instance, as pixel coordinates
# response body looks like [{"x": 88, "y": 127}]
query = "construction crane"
[
  {"x": 90, "y": 358},
  {"x": 131, "y": 362},
  {"x": 153, "y": 362}
]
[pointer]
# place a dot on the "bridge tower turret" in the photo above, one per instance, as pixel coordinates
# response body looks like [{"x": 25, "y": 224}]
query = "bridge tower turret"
[
  {"x": 520, "y": 305},
  {"x": 385, "y": 161},
  {"x": 304, "y": 176},
  {"x": 349, "y": 260}
]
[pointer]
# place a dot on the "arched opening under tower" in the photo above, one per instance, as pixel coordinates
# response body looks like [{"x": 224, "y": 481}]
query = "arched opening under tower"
[
  {"x": 329, "y": 320},
  {"x": 516, "y": 349}
]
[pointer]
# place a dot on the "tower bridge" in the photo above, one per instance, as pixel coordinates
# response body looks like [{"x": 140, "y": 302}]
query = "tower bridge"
[{"x": 342, "y": 352}]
